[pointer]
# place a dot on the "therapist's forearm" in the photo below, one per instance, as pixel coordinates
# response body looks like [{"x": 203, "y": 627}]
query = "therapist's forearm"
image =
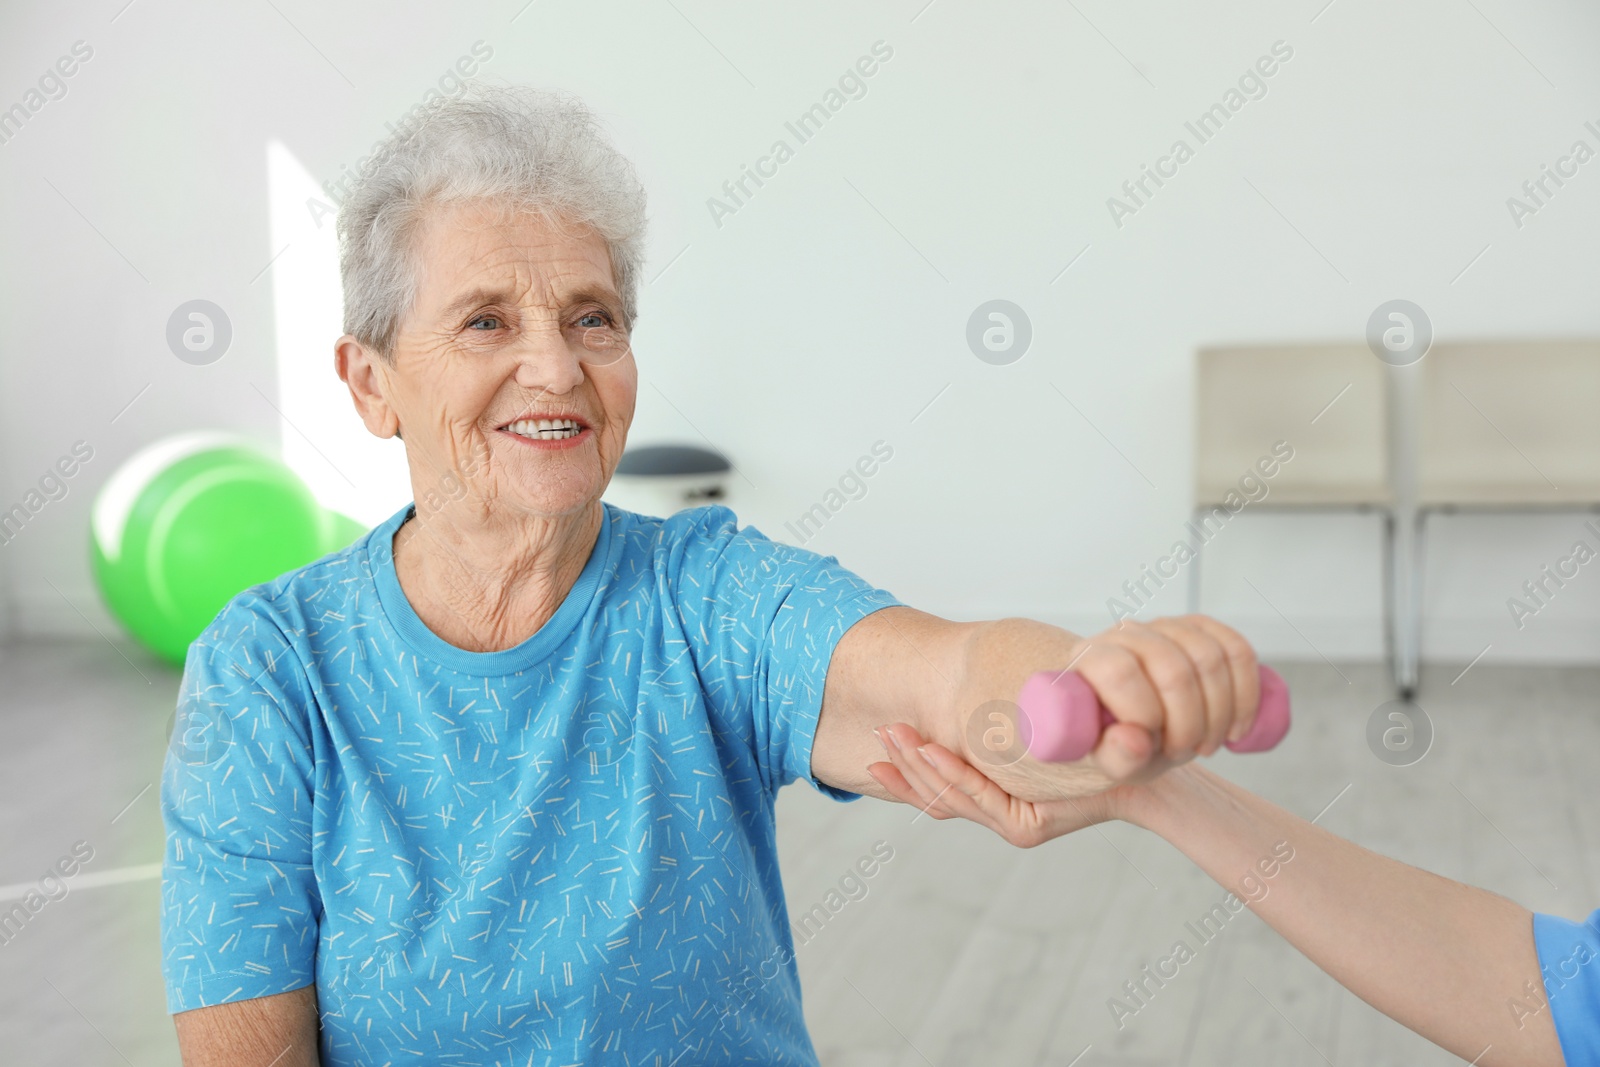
[{"x": 1444, "y": 959}]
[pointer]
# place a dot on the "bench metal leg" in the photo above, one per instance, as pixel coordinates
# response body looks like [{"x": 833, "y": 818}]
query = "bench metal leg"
[
  {"x": 1410, "y": 605},
  {"x": 1391, "y": 650},
  {"x": 1193, "y": 603}
]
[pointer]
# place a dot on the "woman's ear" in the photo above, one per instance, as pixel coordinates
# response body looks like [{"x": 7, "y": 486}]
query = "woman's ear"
[{"x": 366, "y": 375}]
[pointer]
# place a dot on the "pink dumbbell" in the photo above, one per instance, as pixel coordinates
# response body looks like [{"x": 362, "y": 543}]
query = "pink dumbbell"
[{"x": 1062, "y": 717}]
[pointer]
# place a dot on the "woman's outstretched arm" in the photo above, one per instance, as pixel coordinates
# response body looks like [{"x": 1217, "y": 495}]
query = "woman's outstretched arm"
[{"x": 1447, "y": 960}]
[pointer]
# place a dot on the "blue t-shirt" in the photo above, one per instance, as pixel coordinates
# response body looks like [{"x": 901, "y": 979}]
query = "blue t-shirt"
[
  {"x": 1569, "y": 958},
  {"x": 562, "y": 852}
]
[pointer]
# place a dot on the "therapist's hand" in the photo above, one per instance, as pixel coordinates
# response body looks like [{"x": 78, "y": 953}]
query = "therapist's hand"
[{"x": 931, "y": 777}]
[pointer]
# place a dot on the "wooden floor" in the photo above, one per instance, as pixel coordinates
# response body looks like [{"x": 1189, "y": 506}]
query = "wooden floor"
[{"x": 963, "y": 950}]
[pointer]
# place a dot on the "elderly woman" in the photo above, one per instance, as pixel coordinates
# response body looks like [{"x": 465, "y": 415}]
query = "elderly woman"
[{"x": 501, "y": 779}]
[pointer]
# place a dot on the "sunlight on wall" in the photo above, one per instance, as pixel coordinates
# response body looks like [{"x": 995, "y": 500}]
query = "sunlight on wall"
[{"x": 324, "y": 441}]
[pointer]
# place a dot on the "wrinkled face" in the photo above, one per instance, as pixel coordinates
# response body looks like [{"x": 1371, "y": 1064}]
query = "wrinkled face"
[{"x": 502, "y": 403}]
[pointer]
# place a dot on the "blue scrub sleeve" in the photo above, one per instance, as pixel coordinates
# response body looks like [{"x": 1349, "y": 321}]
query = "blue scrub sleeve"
[{"x": 1569, "y": 957}]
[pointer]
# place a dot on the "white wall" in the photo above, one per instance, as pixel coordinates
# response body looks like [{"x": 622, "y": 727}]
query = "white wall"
[{"x": 826, "y": 313}]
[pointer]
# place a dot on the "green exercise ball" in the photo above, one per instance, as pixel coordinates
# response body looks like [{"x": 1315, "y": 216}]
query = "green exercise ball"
[{"x": 189, "y": 522}]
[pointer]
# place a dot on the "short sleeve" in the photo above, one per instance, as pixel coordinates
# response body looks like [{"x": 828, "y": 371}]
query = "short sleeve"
[
  {"x": 239, "y": 903},
  {"x": 1569, "y": 957},
  {"x": 767, "y": 616}
]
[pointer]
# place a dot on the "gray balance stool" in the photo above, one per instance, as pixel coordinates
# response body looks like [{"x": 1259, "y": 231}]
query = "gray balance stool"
[{"x": 663, "y": 479}]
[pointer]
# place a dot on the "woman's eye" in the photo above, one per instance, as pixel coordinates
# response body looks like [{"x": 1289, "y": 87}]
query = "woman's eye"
[
  {"x": 594, "y": 318},
  {"x": 493, "y": 323}
]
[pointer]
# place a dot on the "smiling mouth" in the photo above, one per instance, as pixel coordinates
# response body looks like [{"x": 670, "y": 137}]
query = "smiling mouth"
[{"x": 545, "y": 429}]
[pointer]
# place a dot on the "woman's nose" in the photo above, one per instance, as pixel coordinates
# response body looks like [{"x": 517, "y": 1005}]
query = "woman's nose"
[{"x": 547, "y": 362}]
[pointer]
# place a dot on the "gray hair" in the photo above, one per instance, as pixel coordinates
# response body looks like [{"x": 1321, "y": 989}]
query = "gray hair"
[{"x": 526, "y": 149}]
